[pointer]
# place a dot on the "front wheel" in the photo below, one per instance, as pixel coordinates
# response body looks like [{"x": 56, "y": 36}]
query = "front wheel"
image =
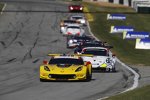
[
  {"x": 88, "y": 77},
  {"x": 42, "y": 80}
]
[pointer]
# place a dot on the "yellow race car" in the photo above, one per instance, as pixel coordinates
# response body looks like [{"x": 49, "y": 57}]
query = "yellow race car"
[{"x": 65, "y": 67}]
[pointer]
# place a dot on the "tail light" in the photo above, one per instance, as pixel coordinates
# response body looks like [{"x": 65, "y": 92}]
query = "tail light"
[
  {"x": 78, "y": 33},
  {"x": 69, "y": 33}
]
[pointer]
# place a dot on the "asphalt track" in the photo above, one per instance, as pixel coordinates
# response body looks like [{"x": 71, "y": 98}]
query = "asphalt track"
[{"x": 28, "y": 32}]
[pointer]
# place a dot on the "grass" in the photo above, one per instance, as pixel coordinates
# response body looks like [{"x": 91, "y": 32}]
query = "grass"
[
  {"x": 1, "y": 6},
  {"x": 137, "y": 94},
  {"x": 124, "y": 49}
]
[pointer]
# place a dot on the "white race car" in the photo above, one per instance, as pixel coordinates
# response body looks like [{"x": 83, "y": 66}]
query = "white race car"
[
  {"x": 79, "y": 19},
  {"x": 73, "y": 30},
  {"x": 65, "y": 23},
  {"x": 103, "y": 59}
]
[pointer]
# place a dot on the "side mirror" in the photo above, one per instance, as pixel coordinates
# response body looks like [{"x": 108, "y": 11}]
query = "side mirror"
[
  {"x": 87, "y": 63},
  {"x": 113, "y": 55},
  {"x": 45, "y": 62},
  {"x": 109, "y": 47}
]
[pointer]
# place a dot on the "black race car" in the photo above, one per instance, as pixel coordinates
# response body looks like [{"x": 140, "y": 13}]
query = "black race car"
[{"x": 75, "y": 8}]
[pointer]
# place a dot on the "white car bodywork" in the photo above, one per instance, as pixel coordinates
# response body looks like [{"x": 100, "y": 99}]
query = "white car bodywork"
[
  {"x": 73, "y": 30},
  {"x": 62, "y": 28},
  {"x": 106, "y": 62},
  {"x": 79, "y": 19},
  {"x": 65, "y": 23}
]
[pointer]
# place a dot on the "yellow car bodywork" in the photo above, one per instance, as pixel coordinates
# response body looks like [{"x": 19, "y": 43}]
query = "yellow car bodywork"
[{"x": 71, "y": 72}]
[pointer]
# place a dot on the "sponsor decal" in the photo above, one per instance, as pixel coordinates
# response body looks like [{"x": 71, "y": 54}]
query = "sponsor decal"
[
  {"x": 135, "y": 35},
  {"x": 121, "y": 29},
  {"x": 142, "y": 43},
  {"x": 116, "y": 17}
]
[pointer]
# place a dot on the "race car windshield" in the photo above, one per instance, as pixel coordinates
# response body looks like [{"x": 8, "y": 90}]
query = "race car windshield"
[
  {"x": 91, "y": 45},
  {"x": 73, "y": 27},
  {"x": 68, "y": 61},
  {"x": 100, "y": 52},
  {"x": 69, "y": 21},
  {"x": 82, "y": 38},
  {"x": 77, "y": 17}
]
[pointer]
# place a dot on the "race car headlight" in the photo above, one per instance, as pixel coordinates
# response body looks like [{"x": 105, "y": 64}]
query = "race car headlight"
[
  {"x": 71, "y": 8},
  {"x": 81, "y": 8},
  {"x": 78, "y": 69},
  {"x": 74, "y": 40},
  {"x": 70, "y": 41},
  {"x": 108, "y": 60},
  {"x": 46, "y": 68}
]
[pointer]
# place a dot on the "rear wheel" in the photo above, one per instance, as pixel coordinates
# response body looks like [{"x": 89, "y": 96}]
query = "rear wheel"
[
  {"x": 67, "y": 46},
  {"x": 114, "y": 69}
]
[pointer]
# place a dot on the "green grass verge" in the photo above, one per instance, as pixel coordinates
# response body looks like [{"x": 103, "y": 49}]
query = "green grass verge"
[
  {"x": 124, "y": 49},
  {"x": 1, "y": 6},
  {"x": 137, "y": 94}
]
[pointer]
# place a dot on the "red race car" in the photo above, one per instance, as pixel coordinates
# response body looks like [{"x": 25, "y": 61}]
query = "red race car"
[{"x": 76, "y": 8}]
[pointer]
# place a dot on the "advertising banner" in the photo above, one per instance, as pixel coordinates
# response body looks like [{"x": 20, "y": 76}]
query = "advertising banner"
[
  {"x": 116, "y": 17},
  {"x": 135, "y": 35},
  {"x": 142, "y": 43},
  {"x": 121, "y": 29}
]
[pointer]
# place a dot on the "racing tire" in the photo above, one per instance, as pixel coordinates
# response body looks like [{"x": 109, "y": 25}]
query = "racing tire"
[
  {"x": 88, "y": 77},
  {"x": 67, "y": 46},
  {"x": 84, "y": 25},
  {"x": 42, "y": 80},
  {"x": 114, "y": 69},
  {"x": 108, "y": 70}
]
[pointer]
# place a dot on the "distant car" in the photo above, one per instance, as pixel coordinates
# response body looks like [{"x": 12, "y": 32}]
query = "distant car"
[
  {"x": 74, "y": 41},
  {"x": 65, "y": 23},
  {"x": 73, "y": 30},
  {"x": 65, "y": 67},
  {"x": 93, "y": 43},
  {"x": 102, "y": 58},
  {"x": 80, "y": 19},
  {"x": 75, "y": 8}
]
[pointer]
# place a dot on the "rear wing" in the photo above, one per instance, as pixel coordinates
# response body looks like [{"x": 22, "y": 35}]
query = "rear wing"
[
  {"x": 87, "y": 55},
  {"x": 73, "y": 55}
]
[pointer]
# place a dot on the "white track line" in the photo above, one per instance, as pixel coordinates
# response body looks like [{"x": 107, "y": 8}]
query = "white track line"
[
  {"x": 3, "y": 8},
  {"x": 136, "y": 75}
]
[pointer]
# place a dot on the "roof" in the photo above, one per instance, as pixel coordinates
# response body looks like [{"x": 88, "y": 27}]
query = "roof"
[
  {"x": 95, "y": 48},
  {"x": 77, "y": 16},
  {"x": 72, "y": 56},
  {"x": 64, "y": 56}
]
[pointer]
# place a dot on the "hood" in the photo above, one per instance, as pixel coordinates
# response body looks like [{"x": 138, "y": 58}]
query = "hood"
[
  {"x": 68, "y": 69},
  {"x": 96, "y": 59},
  {"x": 73, "y": 30}
]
